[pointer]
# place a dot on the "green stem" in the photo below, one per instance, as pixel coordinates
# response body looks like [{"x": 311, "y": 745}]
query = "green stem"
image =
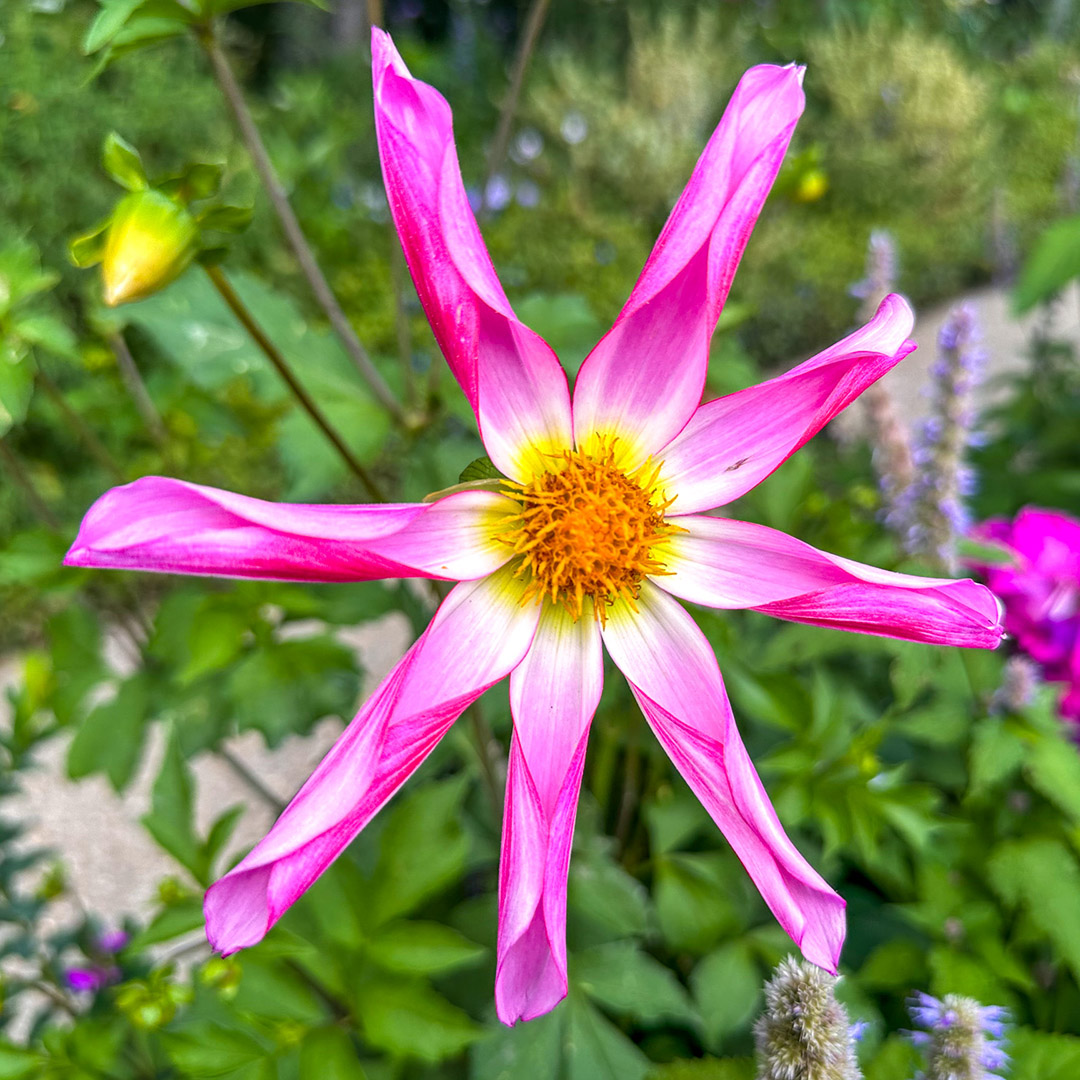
[
  {"x": 290, "y": 225},
  {"x": 534, "y": 22},
  {"x": 136, "y": 388},
  {"x": 98, "y": 451},
  {"x": 251, "y": 779},
  {"x": 12, "y": 464},
  {"x": 270, "y": 350}
]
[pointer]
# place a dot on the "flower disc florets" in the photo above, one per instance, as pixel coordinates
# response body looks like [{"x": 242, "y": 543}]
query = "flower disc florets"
[{"x": 587, "y": 529}]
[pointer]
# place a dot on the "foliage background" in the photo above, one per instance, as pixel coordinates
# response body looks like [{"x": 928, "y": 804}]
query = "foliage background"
[{"x": 949, "y": 820}]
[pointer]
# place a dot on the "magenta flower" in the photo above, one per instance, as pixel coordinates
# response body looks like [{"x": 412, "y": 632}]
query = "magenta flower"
[
  {"x": 588, "y": 543},
  {"x": 1040, "y": 589}
]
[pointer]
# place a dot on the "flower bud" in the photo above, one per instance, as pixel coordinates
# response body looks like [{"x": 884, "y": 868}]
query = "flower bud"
[{"x": 151, "y": 239}]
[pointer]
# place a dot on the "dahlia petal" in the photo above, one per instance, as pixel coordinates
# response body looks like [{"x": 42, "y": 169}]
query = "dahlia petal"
[
  {"x": 175, "y": 527},
  {"x": 554, "y": 692},
  {"x": 479, "y": 634},
  {"x": 674, "y": 676},
  {"x": 512, "y": 379},
  {"x": 731, "y": 444},
  {"x": 644, "y": 379},
  {"x": 724, "y": 563}
]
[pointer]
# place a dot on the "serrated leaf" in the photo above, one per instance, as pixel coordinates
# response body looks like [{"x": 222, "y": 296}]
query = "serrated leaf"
[
  {"x": 596, "y": 1049},
  {"x": 110, "y": 739},
  {"x": 728, "y": 990},
  {"x": 421, "y": 948},
  {"x": 421, "y": 850},
  {"x": 996, "y": 753},
  {"x": 629, "y": 982},
  {"x": 407, "y": 1019},
  {"x": 327, "y": 1053},
  {"x": 123, "y": 163},
  {"x": 1053, "y": 767},
  {"x": 532, "y": 1050},
  {"x": 693, "y": 901},
  {"x": 172, "y": 810},
  {"x": 481, "y": 468},
  {"x": 1042, "y": 875},
  {"x": 206, "y": 1049}
]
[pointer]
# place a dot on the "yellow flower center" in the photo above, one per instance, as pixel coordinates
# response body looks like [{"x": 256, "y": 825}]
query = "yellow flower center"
[{"x": 586, "y": 530}]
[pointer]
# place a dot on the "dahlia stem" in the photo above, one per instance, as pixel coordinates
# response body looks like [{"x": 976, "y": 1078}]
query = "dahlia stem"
[
  {"x": 251, "y": 779},
  {"x": 273, "y": 354},
  {"x": 294, "y": 234},
  {"x": 534, "y": 22},
  {"x": 136, "y": 388},
  {"x": 98, "y": 451},
  {"x": 12, "y": 464}
]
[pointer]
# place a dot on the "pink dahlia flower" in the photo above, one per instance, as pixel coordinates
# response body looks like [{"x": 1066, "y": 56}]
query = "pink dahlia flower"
[
  {"x": 589, "y": 543},
  {"x": 1040, "y": 589}
]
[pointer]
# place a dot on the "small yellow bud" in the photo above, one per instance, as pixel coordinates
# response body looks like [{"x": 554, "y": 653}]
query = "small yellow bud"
[
  {"x": 811, "y": 186},
  {"x": 150, "y": 241}
]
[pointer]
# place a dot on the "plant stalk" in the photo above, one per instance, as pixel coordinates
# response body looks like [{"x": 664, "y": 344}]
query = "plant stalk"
[
  {"x": 251, "y": 779},
  {"x": 273, "y": 354},
  {"x": 290, "y": 225},
  {"x": 98, "y": 451},
  {"x": 534, "y": 23},
  {"x": 136, "y": 388},
  {"x": 12, "y": 464}
]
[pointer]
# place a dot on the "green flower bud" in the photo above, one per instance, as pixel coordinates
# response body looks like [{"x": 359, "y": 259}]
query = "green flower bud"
[{"x": 150, "y": 241}]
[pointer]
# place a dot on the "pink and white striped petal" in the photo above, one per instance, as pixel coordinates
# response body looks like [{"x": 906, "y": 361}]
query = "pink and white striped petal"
[
  {"x": 174, "y": 527},
  {"x": 731, "y": 444},
  {"x": 479, "y": 634},
  {"x": 644, "y": 379},
  {"x": 553, "y": 695},
  {"x": 723, "y": 563},
  {"x": 512, "y": 379},
  {"x": 673, "y": 674}
]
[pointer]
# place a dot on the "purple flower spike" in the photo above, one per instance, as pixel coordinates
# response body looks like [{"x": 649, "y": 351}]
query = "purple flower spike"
[{"x": 963, "y": 1040}]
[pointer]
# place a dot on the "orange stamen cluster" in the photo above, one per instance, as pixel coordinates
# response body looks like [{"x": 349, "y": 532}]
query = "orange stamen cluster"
[{"x": 586, "y": 531}]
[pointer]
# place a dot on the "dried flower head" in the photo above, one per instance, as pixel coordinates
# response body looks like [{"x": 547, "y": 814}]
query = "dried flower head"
[{"x": 805, "y": 1033}]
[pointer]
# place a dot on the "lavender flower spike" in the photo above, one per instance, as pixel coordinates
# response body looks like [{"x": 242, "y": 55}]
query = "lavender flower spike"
[
  {"x": 805, "y": 1033},
  {"x": 963, "y": 1040}
]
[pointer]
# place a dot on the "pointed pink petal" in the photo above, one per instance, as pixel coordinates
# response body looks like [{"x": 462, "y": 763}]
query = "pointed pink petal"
[
  {"x": 734, "y": 564},
  {"x": 179, "y": 528},
  {"x": 509, "y": 374},
  {"x": 673, "y": 674},
  {"x": 644, "y": 380},
  {"x": 553, "y": 694},
  {"x": 731, "y": 444},
  {"x": 479, "y": 634}
]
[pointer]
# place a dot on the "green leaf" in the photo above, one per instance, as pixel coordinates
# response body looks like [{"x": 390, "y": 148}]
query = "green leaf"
[
  {"x": 532, "y": 1050},
  {"x": 17, "y": 1063},
  {"x": 171, "y": 922},
  {"x": 1053, "y": 767},
  {"x": 283, "y": 687},
  {"x": 1041, "y": 875},
  {"x": 122, "y": 162},
  {"x": 422, "y": 850},
  {"x": 629, "y": 982},
  {"x": 202, "y": 180},
  {"x": 407, "y": 1019},
  {"x": 110, "y": 739},
  {"x": 997, "y": 751},
  {"x": 602, "y": 893},
  {"x": 206, "y": 1049},
  {"x": 481, "y": 468},
  {"x": 107, "y": 22},
  {"x": 1038, "y": 1055},
  {"x": 215, "y": 638},
  {"x": 47, "y": 332},
  {"x": 896, "y": 1060},
  {"x": 1053, "y": 263},
  {"x": 172, "y": 810},
  {"x": 693, "y": 901},
  {"x": 327, "y": 1053},
  {"x": 17, "y": 370},
  {"x": 421, "y": 948},
  {"x": 727, "y": 989},
  {"x": 225, "y": 218},
  {"x": 596, "y": 1049}
]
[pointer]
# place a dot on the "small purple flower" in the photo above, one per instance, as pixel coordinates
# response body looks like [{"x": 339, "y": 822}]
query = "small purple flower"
[
  {"x": 112, "y": 941},
  {"x": 93, "y": 977},
  {"x": 963, "y": 1040}
]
